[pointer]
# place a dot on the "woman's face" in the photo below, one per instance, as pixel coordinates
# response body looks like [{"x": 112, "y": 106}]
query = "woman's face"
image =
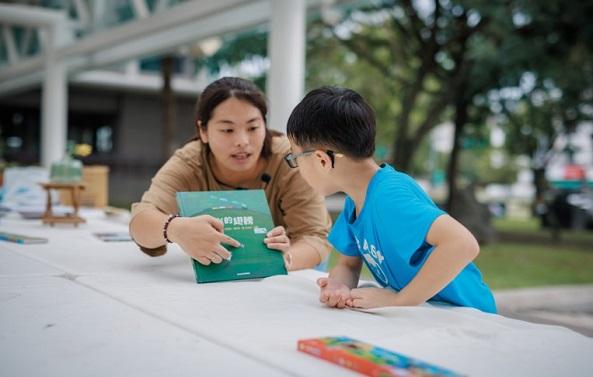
[{"x": 235, "y": 134}]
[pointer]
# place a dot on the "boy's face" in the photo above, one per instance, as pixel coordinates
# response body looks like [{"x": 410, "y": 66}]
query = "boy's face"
[{"x": 315, "y": 167}]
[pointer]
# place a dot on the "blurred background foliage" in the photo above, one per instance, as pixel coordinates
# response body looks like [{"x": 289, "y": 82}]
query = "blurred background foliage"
[
  {"x": 421, "y": 63},
  {"x": 523, "y": 66}
]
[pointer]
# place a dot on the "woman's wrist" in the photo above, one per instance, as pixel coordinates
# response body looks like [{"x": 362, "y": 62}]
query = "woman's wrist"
[
  {"x": 167, "y": 228},
  {"x": 287, "y": 259}
]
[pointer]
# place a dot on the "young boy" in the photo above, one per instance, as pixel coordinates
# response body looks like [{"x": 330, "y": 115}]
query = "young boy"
[{"x": 415, "y": 250}]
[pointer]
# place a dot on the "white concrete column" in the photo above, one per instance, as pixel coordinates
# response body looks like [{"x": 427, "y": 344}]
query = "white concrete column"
[
  {"x": 54, "y": 112},
  {"x": 286, "y": 50},
  {"x": 9, "y": 42},
  {"x": 98, "y": 10},
  {"x": 54, "y": 102}
]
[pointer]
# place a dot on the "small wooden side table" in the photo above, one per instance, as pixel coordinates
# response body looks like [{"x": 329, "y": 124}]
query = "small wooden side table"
[{"x": 70, "y": 218}]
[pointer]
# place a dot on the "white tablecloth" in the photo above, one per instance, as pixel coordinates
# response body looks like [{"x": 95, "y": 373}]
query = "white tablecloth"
[{"x": 80, "y": 304}]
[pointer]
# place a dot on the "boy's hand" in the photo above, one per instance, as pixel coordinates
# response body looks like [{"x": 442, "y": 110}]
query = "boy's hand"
[
  {"x": 333, "y": 294},
  {"x": 277, "y": 239},
  {"x": 367, "y": 298}
]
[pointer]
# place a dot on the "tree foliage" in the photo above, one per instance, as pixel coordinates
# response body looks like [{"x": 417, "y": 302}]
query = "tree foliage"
[
  {"x": 550, "y": 89},
  {"x": 419, "y": 57},
  {"x": 420, "y": 63}
]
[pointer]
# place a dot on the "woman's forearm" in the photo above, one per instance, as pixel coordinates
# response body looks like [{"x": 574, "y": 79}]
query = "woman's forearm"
[
  {"x": 303, "y": 255},
  {"x": 146, "y": 228}
]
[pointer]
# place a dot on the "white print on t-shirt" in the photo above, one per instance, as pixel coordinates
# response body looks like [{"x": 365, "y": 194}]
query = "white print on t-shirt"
[{"x": 374, "y": 259}]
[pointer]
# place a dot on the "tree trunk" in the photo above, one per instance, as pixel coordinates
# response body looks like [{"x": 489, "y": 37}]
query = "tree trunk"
[
  {"x": 539, "y": 181},
  {"x": 544, "y": 209},
  {"x": 402, "y": 151},
  {"x": 462, "y": 203},
  {"x": 461, "y": 107},
  {"x": 402, "y": 156},
  {"x": 168, "y": 108},
  {"x": 400, "y": 143}
]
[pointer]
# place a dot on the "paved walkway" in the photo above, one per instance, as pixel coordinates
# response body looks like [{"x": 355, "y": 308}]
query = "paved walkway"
[{"x": 570, "y": 306}]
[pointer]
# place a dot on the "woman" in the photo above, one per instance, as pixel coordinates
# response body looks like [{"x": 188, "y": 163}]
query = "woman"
[{"x": 233, "y": 150}]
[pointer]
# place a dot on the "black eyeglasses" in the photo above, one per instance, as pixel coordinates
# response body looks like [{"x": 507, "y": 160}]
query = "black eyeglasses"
[{"x": 291, "y": 158}]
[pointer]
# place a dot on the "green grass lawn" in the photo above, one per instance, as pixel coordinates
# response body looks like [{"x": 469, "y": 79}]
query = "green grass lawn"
[
  {"x": 526, "y": 256},
  {"x": 513, "y": 265}
]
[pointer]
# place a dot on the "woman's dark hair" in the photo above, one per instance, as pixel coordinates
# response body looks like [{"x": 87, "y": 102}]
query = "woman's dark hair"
[
  {"x": 335, "y": 118},
  {"x": 225, "y": 88}
]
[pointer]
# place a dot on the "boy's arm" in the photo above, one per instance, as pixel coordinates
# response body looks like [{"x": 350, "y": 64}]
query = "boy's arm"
[
  {"x": 335, "y": 289},
  {"x": 455, "y": 248},
  {"x": 347, "y": 271}
]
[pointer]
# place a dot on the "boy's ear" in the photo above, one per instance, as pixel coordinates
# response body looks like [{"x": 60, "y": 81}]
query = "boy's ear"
[{"x": 324, "y": 160}]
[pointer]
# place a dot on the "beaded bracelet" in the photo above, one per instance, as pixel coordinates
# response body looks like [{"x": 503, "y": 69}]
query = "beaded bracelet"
[{"x": 167, "y": 222}]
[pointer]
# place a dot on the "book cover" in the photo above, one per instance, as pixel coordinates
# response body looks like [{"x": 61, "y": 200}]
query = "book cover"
[
  {"x": 246, "y": 218},
  {"x": 368, "y": 359},
  {"x": 22, "y": 239},
  {"x": 113, "y": 236}
]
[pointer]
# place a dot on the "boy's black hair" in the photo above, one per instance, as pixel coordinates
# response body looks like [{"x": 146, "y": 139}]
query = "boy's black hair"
[{"x": 334, "y": 118}]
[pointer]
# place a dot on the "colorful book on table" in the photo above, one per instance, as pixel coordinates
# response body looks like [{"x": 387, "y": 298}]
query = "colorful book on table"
[
  {"x": 246, "y": 218},
  {"x": 368, "y": 359},
  {"x": 20, "y": 238}
]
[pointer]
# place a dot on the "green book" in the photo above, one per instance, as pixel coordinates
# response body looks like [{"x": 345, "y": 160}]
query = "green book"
[{"x": 246, "y": 218}]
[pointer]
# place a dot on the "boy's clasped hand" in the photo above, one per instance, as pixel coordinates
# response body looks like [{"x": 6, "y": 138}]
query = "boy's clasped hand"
[{"x": 338, "y": 295}]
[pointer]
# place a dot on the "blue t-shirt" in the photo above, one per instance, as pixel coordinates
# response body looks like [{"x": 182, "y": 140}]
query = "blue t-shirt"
[{"x": 390, "y": 236}]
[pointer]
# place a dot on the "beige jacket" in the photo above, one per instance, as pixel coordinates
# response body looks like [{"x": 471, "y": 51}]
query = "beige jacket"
[{"x": 293, "y": 203}]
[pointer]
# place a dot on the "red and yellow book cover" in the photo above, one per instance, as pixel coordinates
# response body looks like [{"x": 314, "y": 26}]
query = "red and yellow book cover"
[{"x": 368, "y": 359}]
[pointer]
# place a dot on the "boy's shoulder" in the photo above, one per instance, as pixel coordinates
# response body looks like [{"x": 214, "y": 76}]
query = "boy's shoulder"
[
  {"x": 390, "y": 179},
  {"x": 394, "y": 188}
]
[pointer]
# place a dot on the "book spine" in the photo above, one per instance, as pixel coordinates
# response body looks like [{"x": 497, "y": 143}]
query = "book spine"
[{"x": 181, "y": 203}]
